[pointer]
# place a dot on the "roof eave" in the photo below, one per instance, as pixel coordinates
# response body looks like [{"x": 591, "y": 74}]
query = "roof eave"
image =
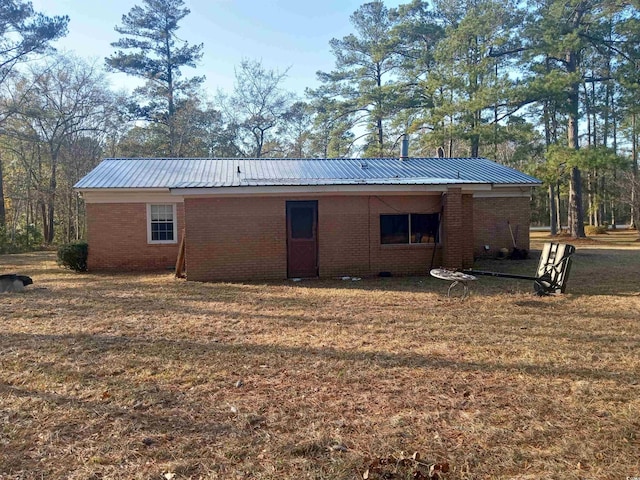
[
  {"x": 518, "y": 185},
  {"x": 122, "y": 189},
  {"x": 320, "y": 189}
]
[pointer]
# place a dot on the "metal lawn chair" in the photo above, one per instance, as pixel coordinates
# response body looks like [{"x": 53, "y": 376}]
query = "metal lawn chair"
[{"x": 553, "y": 269}]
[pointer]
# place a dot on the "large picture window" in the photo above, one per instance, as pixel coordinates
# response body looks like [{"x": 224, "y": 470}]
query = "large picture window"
[
  {"x": 161, "y": 223},
  {"x": 409, "y": 228}
]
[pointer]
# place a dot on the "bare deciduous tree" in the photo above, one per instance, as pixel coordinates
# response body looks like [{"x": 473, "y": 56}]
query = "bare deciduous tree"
[
  {"x": 258, "y": 106},
  {"x": 64, "y": 99}
]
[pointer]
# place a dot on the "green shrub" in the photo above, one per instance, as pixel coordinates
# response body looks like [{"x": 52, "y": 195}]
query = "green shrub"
[
  {"x": 28, "y": 238},
  {"x": 593, "y": 230},
  {"x": 4, "y": 240},
  {"x": 74, "y": 256},
  {"x": 22, "y": 239}
]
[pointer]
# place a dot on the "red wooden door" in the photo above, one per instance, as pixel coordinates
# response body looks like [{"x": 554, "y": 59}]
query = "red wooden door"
[{"x": 302, "y": 239}]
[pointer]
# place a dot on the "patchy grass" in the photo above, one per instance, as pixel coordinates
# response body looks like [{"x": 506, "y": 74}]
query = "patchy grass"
[{"x": 135, "y": 376}]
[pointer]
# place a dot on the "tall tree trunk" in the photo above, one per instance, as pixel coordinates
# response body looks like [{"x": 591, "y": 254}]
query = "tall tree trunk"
[
  {"x": 450, "y": 139},
  {"x": 547, "y": 123},
  {"x": 558, "y": 205},
  {"x": 613, "y": 213},
  {"x": 634, "y": 158},
  {"x": 495, "y": 120},
  {"x": 170, "y": 95},
  {"x": 70, "y": 216},
  {"x": 576, "y": 220},
  {"x": 595, "y": 198},
  {"x": 27, "y": 214},
  {"x": 475, "y": 138},
  {"x": 587, "y": 112},
  {"x": 607, "y": 113},
  {"x": 50, "y": 222},
  {"x": 3, "y": 212},
  {"x": 590, "y": 199},
  {"x": 79, "y": 234},
  {"x": 380, "y": 133},
  {"x": 259, "y": 143},
  {"x": 614, "y": 141},
  {"x": 43, "y": 216},
  {"x": 594, "y": 115},
  {"x": 572, "y": 60},
  {"x": 602, "y": 199},
  {"x": 553, "y": 207},
  {"x": 51, "y": 198},
  {"x": 553, "y": 213}
]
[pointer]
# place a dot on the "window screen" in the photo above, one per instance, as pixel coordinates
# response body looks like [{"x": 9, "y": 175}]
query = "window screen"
[
  {"x": 424, "y": 228},
  {"x": 162, "y": 223},
  {"x": 302, "y": 222},
  {"x": 409, "y": 228},
  {"x": 394, "y": 229}
]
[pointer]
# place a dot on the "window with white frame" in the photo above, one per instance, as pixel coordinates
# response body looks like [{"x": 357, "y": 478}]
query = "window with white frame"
[
  {"x": 161, "y": 224},
  {"x": 409, "y": 228}
]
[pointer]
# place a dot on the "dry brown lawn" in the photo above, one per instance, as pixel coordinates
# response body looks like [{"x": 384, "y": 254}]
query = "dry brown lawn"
[{"x": 142, "y": 376}]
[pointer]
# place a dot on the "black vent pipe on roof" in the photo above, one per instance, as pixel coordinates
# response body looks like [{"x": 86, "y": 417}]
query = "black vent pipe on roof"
[{"x": 404, "y": 149}]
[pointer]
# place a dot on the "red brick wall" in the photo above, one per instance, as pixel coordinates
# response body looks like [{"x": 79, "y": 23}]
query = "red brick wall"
[
  {"x": 343, "y": 236},
  {"x": 453, "y": 229},
  {"x": 401, "y": 259},
  {"x": 490, "y": 223},
  {"x": 117, "y": 237},
  {"x": 468, "y": 241},
  {"x": 458, "y": 229},
  {"x": 236, "y": 238},
  {"x": 243, "y": 238},
  {"x": 349, "y": 236}
]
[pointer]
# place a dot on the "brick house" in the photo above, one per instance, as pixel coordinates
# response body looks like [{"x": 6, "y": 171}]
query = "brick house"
[{"x": 279, "y": 218}]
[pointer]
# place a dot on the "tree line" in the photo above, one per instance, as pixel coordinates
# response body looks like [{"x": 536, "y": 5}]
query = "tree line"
[{"x": 547, "y": 86}]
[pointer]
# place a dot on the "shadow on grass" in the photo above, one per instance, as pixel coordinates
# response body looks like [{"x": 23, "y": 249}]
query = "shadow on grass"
[
  {"x": 166, "y": 423},
  {"x": 177, "y": 350},
  {"x": 595, "y": 271},
  {"x": 149, "y": 431}
]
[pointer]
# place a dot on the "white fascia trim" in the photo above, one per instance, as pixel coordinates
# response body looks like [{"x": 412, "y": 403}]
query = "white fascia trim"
[
  {"x": 520, "y": 185},
  {"x": 130, "y": 195},
  {"x": 306, "y": 190},
  {"x": 128, "y": 189},
  {"x": 506, "y": 192}
]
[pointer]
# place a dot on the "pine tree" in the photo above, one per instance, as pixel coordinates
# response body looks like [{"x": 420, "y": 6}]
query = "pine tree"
[
  {"x": 150, "y": 49},
  {"x": 477, "y": 83},
  {"x": 562, "y": 39},
  {"x": 362, "y": 81},
  {"x": 24, "y": 32}
]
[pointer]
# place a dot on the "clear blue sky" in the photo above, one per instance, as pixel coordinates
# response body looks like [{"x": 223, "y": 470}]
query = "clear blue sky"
[{"x": 280, "y": 33}]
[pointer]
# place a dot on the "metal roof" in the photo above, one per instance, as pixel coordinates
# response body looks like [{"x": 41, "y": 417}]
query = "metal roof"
[{"x": 232, "y": 172}]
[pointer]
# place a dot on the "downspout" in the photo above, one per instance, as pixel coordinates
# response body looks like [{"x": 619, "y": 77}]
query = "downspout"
[{"x": 435, "y": 243}]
